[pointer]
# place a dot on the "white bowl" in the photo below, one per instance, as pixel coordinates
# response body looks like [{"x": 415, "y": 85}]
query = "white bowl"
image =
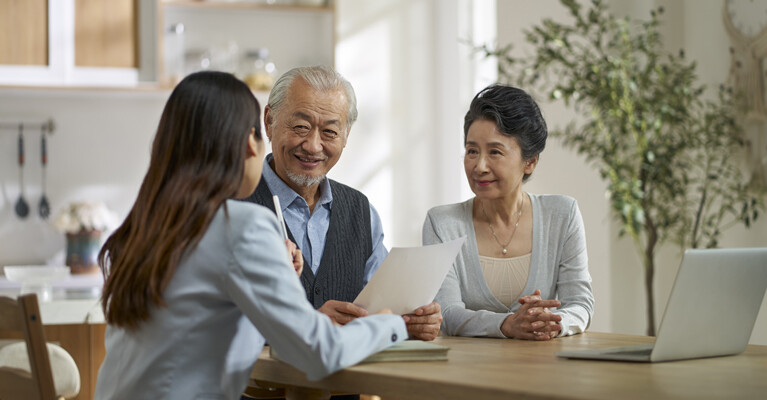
[{"x": 36, "y": 278}]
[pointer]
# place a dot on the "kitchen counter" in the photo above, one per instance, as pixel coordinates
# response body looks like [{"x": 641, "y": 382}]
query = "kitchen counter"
[{"x": 64, "y": 311}]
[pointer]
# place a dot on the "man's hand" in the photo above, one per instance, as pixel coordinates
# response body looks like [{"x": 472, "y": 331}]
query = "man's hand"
[
  {"x": 341, "y": 312},
  {"x": 296, "y": 258},
  {"x": 424, "y": 322}
]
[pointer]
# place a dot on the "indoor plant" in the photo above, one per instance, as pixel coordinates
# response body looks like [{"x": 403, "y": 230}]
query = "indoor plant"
[{"x": 665, "y": 150}]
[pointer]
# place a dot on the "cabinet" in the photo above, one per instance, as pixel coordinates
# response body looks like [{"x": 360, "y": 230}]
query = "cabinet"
[
  {"x": 122, "y": 43},
  {"x": 68, "y": 42},
  {"x": 106, "y": 33},
  {"x": 24, "y": 32},
  {"x": 294, "y": 32}
]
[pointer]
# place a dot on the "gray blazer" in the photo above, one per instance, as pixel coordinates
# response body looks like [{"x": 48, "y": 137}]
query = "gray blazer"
[
  {"x": 233, "y": 291},
  {"x": 558, "y": 267}
]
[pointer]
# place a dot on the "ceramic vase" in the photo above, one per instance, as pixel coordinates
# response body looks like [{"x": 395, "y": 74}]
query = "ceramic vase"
[{"x": 82, "y": 251}]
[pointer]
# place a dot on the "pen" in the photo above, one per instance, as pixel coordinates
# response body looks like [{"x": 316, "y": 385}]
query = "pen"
[{"x": 278, "y": 210}]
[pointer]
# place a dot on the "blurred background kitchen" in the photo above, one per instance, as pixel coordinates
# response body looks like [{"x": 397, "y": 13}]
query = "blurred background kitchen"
[{"x": 101, "y": 71}]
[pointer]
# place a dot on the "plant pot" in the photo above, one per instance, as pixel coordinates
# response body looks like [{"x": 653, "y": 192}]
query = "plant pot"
[{"x": 82, "y": 251}]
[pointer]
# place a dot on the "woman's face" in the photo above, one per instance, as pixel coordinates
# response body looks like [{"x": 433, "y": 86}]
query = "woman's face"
[
  {"x": 493, "y": 161},
  {"x": 254, "y": 162}
]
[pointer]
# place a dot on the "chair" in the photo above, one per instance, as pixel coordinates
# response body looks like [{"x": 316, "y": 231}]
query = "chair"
[{"x": 21, "y": 318}]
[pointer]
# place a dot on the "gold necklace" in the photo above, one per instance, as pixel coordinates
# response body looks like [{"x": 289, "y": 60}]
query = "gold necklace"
[{"x": 492, "y": 231}]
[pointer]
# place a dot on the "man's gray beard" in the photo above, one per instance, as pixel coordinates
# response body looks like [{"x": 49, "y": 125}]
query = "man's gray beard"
[{"x": 304, "y": 180}]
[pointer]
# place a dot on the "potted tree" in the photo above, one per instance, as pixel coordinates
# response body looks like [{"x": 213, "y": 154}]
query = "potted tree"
[{"x": 666, "y": 151}]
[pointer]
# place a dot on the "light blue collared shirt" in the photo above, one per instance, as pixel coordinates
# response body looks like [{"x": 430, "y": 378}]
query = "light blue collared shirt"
[{"x": 310, "y": 229}]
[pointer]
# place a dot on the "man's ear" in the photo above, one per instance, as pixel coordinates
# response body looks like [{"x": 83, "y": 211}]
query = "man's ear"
[
  {"x": 268, "y": 116},
  {"x": 346, "y": 138}
]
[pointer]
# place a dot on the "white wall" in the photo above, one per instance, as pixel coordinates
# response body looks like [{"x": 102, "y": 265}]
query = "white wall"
[
  {"x": 404, "y": 60},
  {"x": 99, "y": 151},
  {"x": 706, "y": 40}
]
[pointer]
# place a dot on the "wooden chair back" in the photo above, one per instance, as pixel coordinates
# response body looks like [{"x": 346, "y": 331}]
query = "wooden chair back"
[{"x": 21, "y": 318}]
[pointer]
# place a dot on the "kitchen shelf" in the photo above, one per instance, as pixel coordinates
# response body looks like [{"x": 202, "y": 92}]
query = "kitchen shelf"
[
  {"x": 294, "y": 34},
  {"x": 149, "y": 89},
  {"x": 143, "y": 87},
  {"x": 251, "y": 5}
]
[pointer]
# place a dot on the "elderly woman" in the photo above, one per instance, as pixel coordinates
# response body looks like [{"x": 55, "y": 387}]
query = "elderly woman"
[{"x": 517, "y": 243}]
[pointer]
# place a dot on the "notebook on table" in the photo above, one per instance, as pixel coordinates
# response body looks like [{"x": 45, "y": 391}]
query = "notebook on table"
[
  {"x": 711, "y": 312},
  {"x": 408, "y": 350}
]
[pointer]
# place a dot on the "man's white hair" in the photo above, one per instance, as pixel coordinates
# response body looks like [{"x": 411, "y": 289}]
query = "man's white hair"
[{"x": 319, "y": 77}]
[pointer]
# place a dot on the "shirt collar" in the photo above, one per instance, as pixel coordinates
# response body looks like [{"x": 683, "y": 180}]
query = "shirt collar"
[{"x": 287, "y": 195}]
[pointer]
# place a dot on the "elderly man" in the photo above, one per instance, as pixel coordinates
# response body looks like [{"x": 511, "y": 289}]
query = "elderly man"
[{"x": 310, "y": 113}]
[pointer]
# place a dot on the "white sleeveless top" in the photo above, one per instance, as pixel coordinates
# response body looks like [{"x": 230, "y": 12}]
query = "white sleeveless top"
[{"x": 506, "y": 277}]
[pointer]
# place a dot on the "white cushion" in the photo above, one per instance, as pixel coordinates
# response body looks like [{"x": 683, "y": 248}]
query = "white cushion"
[{"x": 66, "y": 377}]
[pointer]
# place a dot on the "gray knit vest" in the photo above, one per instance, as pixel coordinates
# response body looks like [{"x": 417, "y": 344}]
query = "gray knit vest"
[{"x": 348, "y": 245}]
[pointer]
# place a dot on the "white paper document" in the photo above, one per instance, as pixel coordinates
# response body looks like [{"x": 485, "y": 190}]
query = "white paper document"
[{"x": 409, "y": 277}]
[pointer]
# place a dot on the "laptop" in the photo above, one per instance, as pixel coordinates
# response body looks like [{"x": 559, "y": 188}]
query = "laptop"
[{"x": 711, "y": 311}]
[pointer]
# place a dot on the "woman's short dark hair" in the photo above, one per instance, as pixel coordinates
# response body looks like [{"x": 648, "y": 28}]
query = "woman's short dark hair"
[{"x": 515, "y": 114}]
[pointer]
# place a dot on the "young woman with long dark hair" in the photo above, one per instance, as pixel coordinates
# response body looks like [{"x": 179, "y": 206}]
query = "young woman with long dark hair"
[{"x": 196, "y": 282}]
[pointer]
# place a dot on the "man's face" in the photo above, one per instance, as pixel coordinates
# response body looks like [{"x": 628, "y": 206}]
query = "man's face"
[{"x": 308, "y": 134}]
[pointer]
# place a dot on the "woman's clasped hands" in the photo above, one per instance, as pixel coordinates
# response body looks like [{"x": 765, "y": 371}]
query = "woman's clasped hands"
[{"x": 533, "y": 320}]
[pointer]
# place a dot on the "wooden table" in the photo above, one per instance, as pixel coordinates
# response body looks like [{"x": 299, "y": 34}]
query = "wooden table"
[{"x": 482, "y": 368}]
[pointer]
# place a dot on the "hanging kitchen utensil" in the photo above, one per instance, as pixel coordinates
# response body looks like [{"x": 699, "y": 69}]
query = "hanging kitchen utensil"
[
  {"x": 43, "y": 208},
  {"x": 22, "y": 208}
]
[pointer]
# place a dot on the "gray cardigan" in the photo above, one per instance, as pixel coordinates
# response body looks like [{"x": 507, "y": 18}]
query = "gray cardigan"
[{"x": 558, "y": 267}]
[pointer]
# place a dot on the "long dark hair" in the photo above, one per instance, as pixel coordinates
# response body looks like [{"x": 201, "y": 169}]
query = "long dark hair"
[{"x": 197, "y": 162}]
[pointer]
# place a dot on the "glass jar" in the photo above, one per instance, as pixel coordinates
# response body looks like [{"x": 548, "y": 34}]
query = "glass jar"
[
  {"x": 225, "y": 56},
  {"x": 174, "y": 53},
  {"x": 257, "y": 70},
  {"x": 196, "y": 60}
]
